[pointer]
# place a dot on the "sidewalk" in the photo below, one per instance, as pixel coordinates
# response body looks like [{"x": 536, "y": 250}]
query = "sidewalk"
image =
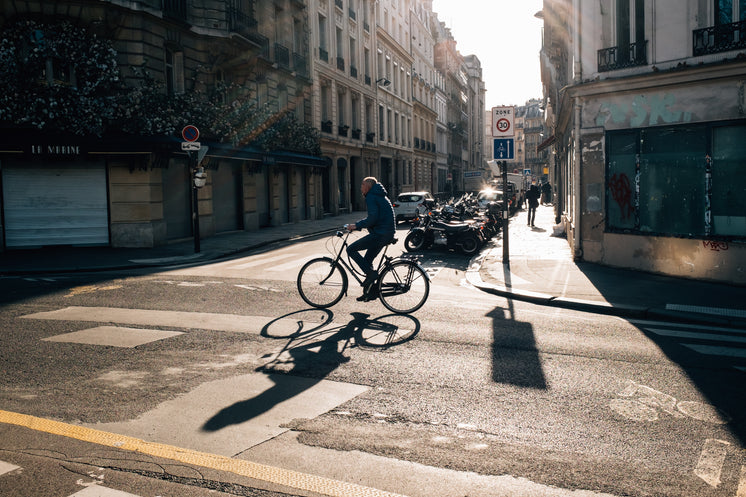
[{"x": 540, "y": 270}]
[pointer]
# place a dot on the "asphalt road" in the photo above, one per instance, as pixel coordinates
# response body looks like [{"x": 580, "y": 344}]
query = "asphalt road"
[{"x": 471, "y": 395}]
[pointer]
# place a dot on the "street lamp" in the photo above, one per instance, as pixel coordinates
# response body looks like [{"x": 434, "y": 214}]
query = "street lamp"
[{"x": 386, "y": 82}]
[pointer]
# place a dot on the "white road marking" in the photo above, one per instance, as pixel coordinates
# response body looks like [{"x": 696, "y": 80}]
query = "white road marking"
[
  {"x": 644, "y": 322},
  {"x": 99, "y": 491},
  {"x": 290, "y": 265},
  {"x": 717, "y": 351},
  {"x": 642, "y": 404},
  {"x": 114, "y": 336},
  {"x": 719, "y": 311},
  {"x": 711, "y": 460},
  {"x": 6, "y": 467},
  {"x": 258, "y": 261},
  {"x": 144, "y": 317},
  {"x": 697, "y": 336}
]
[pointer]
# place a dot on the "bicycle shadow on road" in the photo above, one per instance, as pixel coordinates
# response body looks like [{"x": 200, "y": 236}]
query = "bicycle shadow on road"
[{"x": 313, "y": 351}]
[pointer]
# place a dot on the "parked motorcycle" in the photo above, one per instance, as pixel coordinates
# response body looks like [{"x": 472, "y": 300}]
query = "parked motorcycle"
[{"x": 427, "y": 231}]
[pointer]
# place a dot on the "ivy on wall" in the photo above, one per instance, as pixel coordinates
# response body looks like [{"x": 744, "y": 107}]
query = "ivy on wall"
[{"x": 59, "y": 77}]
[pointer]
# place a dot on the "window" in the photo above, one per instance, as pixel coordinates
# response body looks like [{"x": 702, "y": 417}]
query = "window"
[
  {"x": 729, "y": 181},
  {"x": 662, "y": 181},
  {"x": 174, "y": 71},
  {"x": 631, "y": 47},
  {"x": 323, "y": 39},
  {"x": 325, "y": 103},
  {"x": 729, "y": 11}
]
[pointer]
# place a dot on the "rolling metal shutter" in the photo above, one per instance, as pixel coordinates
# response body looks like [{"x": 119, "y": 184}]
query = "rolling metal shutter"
[{"x": 55, "y": 205}]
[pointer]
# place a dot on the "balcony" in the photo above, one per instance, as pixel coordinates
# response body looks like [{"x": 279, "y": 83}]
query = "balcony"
[
  {"x": 323, "y": 54},
  {"x": 633, "y": 55},
  {"x": 353, "y": 71},
  {"x": 357, "y": 133},
  {"x": 340, "y": 63},
  {"x": 342, "y": 129},
  {"x": 367, "y": 80},
  {"x": 300, "y": 64},
  {"x": 339, "y": 4},
  {"x": 721, "y": 38},
  {"x": 326, "y": 126},
  {"x": 242, "y": 22},
  {"x": 369, "y": 137},
  {"x": 282, "y": 56},
  {"x": 352, "y": 14}
]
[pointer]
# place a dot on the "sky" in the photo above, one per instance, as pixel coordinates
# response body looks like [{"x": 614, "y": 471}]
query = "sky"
[{"x": 506, "y": 37}]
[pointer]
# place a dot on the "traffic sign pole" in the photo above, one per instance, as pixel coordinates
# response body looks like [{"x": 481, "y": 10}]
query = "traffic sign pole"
[{"x": 506, "y": 213}]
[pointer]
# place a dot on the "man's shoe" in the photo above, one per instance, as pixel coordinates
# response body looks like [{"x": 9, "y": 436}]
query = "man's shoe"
[
  {"x": 366, "y": 297},
  {"x": 369, "y": 280}
]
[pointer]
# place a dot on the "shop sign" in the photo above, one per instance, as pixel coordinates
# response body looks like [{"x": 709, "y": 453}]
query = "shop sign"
[{"x": 58, "y": 151}]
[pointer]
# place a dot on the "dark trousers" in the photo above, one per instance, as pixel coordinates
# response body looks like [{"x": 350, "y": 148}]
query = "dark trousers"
[
  {"x": 531, "y": 214},
  {"x": 372, "y": 244}
]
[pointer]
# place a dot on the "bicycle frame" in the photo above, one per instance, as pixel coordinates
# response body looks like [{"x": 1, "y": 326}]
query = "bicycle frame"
[{"x": 348, "y": 264}]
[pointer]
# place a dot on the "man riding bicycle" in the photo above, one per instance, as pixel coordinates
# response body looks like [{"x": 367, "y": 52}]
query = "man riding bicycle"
[{"x": 381, "y": 229}]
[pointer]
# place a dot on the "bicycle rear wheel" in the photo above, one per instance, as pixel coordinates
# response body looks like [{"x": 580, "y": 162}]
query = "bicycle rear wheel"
[
  {"x": 322, "y": 282},
  {"x": 403, "y": 287}
]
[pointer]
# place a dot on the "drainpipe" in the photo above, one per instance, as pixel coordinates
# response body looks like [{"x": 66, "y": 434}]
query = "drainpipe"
[{"x": 577, "y": 216}]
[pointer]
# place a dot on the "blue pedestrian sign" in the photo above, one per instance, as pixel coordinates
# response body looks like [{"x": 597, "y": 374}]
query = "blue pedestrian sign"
[{"x": 504, "y": 149}]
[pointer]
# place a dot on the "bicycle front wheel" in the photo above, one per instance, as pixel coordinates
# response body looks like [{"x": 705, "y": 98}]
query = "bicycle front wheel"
[
  {"x": 403, "y": 287},
  {"x": 322, "y": 282}
]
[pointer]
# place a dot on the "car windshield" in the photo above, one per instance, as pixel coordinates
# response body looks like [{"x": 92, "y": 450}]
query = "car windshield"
[{"x": 409, "y": 198}]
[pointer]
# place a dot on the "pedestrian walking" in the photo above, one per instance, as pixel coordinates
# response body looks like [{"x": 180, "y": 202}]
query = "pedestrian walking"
[
  {"x": 546, "y": 193},
  {"x": 532, "y": 197}
]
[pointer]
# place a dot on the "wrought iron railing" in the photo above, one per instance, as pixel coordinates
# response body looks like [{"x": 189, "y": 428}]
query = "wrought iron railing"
[
  {"x": 240, "y": 20},
  {"x": 635, "y": 54},
  {"x": 282, "y": 55},
  {"x": 176, "y": 9},
  {"x": 300, "y": 64},
  {"x": 721, "y": 38},
  {"x": 340, "y": 63},
  {"x": 323, "y": 54}
]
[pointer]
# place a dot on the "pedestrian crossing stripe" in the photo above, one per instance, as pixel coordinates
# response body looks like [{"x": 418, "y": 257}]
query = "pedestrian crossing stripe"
[{"x": 261, "y": 472}]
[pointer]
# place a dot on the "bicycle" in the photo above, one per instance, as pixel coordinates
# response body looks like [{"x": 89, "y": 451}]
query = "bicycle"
[{"x": 401, "y": 284}]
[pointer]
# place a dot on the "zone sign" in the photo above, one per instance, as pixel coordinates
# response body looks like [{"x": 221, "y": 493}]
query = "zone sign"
[{"x": 502, "y": 121}]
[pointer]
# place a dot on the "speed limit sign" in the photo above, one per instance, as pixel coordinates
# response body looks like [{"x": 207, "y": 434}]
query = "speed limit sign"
[{"x": 502, "y": 121}]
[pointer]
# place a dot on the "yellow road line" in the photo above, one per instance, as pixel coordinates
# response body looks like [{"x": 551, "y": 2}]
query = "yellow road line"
[{"x": 270, "y": 474}]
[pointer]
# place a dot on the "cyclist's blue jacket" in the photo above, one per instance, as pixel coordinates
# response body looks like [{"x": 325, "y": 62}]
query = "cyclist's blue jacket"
[{"x": 380, "y": 220}]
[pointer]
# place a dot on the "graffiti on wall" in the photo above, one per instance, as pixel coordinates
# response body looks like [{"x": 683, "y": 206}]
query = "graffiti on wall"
[
  {"x": 643, "y": 111},
  {"x": 621, "y": 192},
  {"x": 715, "y": 245}
]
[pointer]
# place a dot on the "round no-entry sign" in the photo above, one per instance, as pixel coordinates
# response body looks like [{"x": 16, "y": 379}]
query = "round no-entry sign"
[{"x": 190, "y": 133}]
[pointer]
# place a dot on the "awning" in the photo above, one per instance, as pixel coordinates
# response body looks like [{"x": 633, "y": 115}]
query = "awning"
[
  {"x": 546, "y": 143},
  {"x": 31, "y": 143}
]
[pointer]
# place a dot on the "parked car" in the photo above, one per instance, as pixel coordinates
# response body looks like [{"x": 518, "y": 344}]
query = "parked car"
[
  {"x": 406, "y": 204},
  {"x": 485, "y": 197}
]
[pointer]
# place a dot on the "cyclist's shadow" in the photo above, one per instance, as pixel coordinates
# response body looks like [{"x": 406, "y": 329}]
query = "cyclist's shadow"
[{"x": 312, "y": 354}]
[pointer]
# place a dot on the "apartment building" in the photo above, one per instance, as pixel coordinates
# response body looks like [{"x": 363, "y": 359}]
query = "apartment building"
[
  {"x": 646, "y": 105},
  {"x": 294, "y": 101},
  {"x": 87, "y": 161}
]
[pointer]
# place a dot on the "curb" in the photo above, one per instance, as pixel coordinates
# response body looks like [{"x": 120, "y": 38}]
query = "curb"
[{"x": 621, "y": 310}]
